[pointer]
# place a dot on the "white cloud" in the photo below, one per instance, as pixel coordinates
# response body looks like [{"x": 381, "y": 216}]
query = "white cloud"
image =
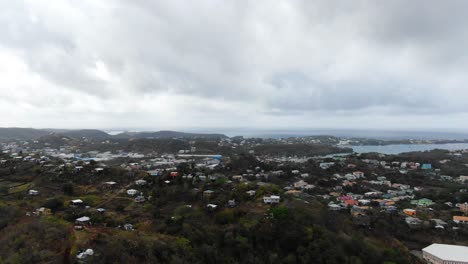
[{"x": 168, "y": 64}]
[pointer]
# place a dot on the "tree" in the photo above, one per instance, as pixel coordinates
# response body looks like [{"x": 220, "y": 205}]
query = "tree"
[
  {"x": 68, "y": 189},
  {"x": 3, "y": 189}
]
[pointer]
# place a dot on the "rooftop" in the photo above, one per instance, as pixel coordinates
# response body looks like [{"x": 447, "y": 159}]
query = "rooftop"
[{"x": 448, "y": 252}]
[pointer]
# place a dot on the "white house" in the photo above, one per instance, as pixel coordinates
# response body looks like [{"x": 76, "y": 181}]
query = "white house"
[
  {"x": 272, "y": 199},
  {"x": 33, "y": 192},
  {"x": 132, "y": 192},
  {"x": 251, "y": 192},
  {"x": 445, "y": 254},
  {"x": 326, "y": 165},
  {"x": 211, "y": 206},
  {"x": 84, "y": 254},
  {"x": 300, "y": 184},
  {"x": 463, "y": 178},
  {"x": 76, "y": 202},
  {"x": 358, "y": 174},
  {"x": 334, "y": 207},
  {"x": 82, "y": 220},
  {"x": 140, "y": 182}
]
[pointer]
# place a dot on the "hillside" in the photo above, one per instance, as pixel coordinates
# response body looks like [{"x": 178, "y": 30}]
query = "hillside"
[
  {"x": 298, "y": 149},
  {"x": 16, "y": 133},
  {"x": 86, "y": 133},
  {"x": 168, "y": 134}
]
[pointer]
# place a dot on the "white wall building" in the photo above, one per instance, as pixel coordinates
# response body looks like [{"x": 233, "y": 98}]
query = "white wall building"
[
  {"x": 272, "y": 199},
  {"x": 445, "y": 254}
]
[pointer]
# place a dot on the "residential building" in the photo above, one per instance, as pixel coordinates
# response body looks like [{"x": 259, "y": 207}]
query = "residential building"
[
  {"x": 33, "y": 192},
  {"x": 460, "y": 219},
  {"x": 76, "y": 202},
  {"x": 463, "y": 207},
  {"x": 426, "y": 166},
  {"x": 84, "y": 220},
  {"x": 422, "y": 202},
  {"x": 412, "y": 222},
  {"x": 445, "y": 254},
  {"x": 272, "y": 199},
  {"x": 140, "y": 182},
  {"x": 251, "y": 192},
  {"x": 132, "y": 192}
]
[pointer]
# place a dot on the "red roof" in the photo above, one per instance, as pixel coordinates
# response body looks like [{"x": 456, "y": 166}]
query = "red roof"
[{"x": 351, "y": 202}]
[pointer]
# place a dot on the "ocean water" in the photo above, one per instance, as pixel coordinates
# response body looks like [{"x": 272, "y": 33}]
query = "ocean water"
[{"x": 401, "y": 148}]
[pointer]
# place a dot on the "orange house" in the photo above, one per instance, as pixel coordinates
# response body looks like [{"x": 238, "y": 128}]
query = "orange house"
[
  {"x": 351, "y": 202},
  {"x": 409, "y": 212},
  {"x": 460, "y": 219}
]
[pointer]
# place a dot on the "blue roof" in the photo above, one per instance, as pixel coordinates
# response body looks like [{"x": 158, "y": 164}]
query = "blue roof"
[{"x": 218, "y": 157}]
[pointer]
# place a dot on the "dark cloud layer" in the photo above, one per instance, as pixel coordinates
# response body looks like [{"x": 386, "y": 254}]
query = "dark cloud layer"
[{"x": 232, "y": 63}]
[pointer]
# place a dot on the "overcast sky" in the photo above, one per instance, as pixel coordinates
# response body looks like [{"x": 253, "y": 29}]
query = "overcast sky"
[{"x": 246, "y": 64}]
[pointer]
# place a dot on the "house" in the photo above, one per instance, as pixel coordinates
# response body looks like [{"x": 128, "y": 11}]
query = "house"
[
  {"x": 445, "y": 254},
  {"x": 410, "y": 212},
  {"x": 426, "y": 166},
  {"x": 101, "y": 210},
  {"x": 446, "y": 178},
  {"x": 128, "y": 227},
  {"x": 251, "y": 192},
  {"x": 326, "y": 165},
  {"x": 460, "y": 219},
  {"x": 351, "y": 202},
  {"x": 345, "y": 198},
  {"x": 334, "y": 207},
  {"x": 85, "y": 254},
  {"x": 300, "y": 184},
  {"x": 358, "y": 174},
  {"x": 350, "y": 177},
  {"x": 211, "y": 206},
  {"x": 154, "y": 173},
  {"x": 33, "y": 192},
  {"x": 84, "y": 220},
  {"x": 422, "y": 202},
  {"x": 140, "y": 182},
  {"x": 140, "y": 199},
  {"x": 174, "y": 174},
  {"x": 413, "y": 222},
  {"x": 132, "y": 192},
  {"x": 232, "y": 203},
  {"x": 237, "y": 178},
  {"x": 373, "y": 194},
  {"x": 202, "y": 177},
  {"x": 463, "y": 207},
  {"x": 77, "y": 202},
  {"x": 439, "y": 223},
  {"x": 272, "y": 199},
  {"x": 43, "y": 211},
  {"x": 364, "y": 201},
  {"x": 277, "y": 173},
  {"x": 208, "y": 193},
  {"x": 462, "y": 178}
]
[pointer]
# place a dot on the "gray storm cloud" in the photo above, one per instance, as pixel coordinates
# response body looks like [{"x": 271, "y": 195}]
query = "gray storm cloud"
[{"x": 232, "y": 63}]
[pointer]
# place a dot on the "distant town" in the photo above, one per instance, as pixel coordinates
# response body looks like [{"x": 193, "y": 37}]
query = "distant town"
[{"x": 84, "y": 196}]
